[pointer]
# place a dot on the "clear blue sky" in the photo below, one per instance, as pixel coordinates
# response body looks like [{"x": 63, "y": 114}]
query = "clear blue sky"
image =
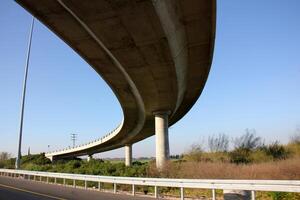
[{"x": 254, "y": 82}]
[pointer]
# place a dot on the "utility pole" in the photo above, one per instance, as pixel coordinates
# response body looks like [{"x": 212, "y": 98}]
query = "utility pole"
[
  {"x": 73, "y": 138},
  {"x": 18, "y": 159}
]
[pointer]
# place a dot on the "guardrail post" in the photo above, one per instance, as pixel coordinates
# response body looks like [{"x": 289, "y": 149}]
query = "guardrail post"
[
  {"x": 99, "y": 185},
  {"x": 133, "y": 189},
  {"x": 252, "y": 195},
  {"x": 181, "y": 193},
  {"x": 156, "y": 191},
  {"x": 74, "y": 183},
  {"x": 115, "y": 188},
  {"x": 64, "y": 180},
  {"x": 55, "y": 180},
  {"x": 85, "y": 184},
  {"x": 34, "y": 178},
  {"x": 47, "y": 179},
  {"x": 213, "y": 194},
  {"x": 40, "y": 179}
]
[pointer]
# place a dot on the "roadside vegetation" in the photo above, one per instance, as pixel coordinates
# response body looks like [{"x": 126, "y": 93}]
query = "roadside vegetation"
[{"x": 247, "y": 158}]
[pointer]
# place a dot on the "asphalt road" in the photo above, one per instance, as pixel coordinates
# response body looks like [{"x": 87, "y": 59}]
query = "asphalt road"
[{"x": 18, "y": 188}]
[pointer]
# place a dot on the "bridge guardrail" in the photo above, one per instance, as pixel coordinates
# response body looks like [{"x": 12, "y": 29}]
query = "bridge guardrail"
[{"x": 213, "y": 184}]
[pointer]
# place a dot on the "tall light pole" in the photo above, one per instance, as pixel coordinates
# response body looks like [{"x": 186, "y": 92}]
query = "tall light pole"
[{"x": 18, "y": 159}]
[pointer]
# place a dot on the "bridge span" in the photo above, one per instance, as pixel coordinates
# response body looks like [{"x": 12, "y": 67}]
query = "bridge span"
[{"x": 154, "y": 54}]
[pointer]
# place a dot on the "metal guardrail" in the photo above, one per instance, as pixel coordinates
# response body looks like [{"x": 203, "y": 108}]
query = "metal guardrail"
[{"x": 213, "y": 184}]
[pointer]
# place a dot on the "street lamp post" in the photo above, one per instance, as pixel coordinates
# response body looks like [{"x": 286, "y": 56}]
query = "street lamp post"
[{"x": 18, "y": 159}]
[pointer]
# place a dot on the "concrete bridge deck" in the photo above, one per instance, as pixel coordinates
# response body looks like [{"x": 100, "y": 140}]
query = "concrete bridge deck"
[{"x": 155, "y": 56}]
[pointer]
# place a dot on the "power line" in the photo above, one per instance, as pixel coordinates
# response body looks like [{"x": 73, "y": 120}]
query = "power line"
[{"x": 73, "y": 138}]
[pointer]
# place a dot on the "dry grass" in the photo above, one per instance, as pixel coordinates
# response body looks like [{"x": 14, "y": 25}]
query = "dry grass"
[
  {"x": 285, "y": 169},
  {"x": 275, "y": 170}
]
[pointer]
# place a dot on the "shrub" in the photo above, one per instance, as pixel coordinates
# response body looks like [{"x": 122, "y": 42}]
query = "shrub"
[
  {"x": 260, "y": 156},
  {"x": 283, "y": 196},
  {"x": 295, "y": 139},
  {"x": 248, "y": 141},
  {"x": 194, "y": 154},
  {"x": 240, "y": 156},
  {"x": 276, "y": 151},
  {"x": 4, "y": 159},
  {"x": 4, "y": 156},
  {"x": 218, "y": 143},
  {"x": 38, "y": 159}
]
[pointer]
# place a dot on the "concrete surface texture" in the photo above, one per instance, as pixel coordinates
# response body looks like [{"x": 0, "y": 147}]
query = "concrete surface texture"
[
  {"x": 128, "y": 155},
  {"x": 154, "y": 55},
  {"x": 162, "y": 138}
]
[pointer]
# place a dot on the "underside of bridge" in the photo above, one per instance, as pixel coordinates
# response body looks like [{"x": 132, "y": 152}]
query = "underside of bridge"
[{"x": 155, "y": 56}]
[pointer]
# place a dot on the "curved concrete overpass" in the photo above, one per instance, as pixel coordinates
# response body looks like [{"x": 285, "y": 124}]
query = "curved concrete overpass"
[{"x": 155, "y": 56}]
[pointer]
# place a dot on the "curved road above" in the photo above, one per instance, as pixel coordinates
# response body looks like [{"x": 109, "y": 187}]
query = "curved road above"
[{"x": 155, "y": 55}]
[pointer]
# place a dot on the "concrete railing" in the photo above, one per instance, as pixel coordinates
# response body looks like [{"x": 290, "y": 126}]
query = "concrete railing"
[
  {"x": 90, "y": 144},
  {"x": 248, "y": 185}
]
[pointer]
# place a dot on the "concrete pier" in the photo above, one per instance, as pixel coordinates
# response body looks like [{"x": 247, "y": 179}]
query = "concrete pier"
[
  {"x": 128, "y": 154},
  {"x": 161, "y": 138},
  {"x": 89, "y": 158}
]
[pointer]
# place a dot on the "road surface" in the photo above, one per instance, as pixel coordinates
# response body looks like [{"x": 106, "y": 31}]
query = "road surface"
[{"x": 17, "y": 188}]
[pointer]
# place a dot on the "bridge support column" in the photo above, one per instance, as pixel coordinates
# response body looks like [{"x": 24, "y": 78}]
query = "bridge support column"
[
  {"x": 128, "y": 154},
  {"x": 51, "y": 158},
  {"x": 89, "y": 158},
  {"x": 161, "y": 138}
]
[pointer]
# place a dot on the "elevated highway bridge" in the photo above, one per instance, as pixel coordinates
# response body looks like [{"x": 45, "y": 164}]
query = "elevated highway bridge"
[{"x": 154, "y": 54}]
